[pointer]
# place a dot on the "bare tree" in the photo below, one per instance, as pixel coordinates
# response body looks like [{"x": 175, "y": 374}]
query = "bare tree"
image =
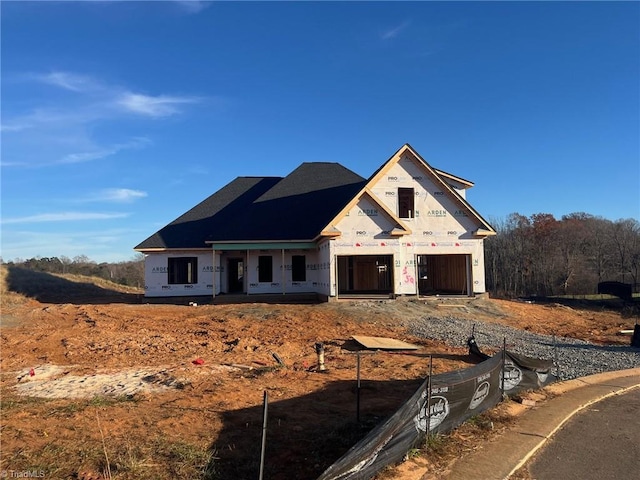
[
  {"x": 540, "y": 255},
  {"x": 625, "y": 237}
]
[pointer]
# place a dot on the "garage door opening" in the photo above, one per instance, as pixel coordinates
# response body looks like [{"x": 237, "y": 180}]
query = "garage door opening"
[
  {"x": 444, "y": 275},
  {"x": 365, "y": 274}
]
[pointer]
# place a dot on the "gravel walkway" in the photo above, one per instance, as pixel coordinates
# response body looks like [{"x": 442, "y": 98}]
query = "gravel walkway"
[{"x": 572, "y": 358}]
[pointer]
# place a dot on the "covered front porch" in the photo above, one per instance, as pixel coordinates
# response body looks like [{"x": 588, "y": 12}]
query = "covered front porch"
[{"x": 264, "y": 268}]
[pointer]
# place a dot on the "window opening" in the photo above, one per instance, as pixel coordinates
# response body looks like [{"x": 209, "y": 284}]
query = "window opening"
[
  {"x": 183, "y": 270},
  {"x": 298, "y": 268},
  {"x": 406, "y": 199},
  {"x": 265, "y": 268}
]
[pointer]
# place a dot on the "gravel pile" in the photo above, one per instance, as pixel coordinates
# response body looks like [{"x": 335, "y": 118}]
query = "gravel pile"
[{"x": 572, "y": 358}]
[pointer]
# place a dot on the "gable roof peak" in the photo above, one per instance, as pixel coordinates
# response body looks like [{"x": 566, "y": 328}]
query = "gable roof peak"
[{"x": 437, "y": 175}]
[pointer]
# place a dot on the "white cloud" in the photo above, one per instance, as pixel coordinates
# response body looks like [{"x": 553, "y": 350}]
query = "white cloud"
[
  {"x": 14, "y": 127},
  {"x": 87, "y": 156},
  {"x": 104, "y": 244},
  {"x": 98, "y": 153},
  {"x": 57, "y": 118},
  {"x": 63, "y": 217},
  {"x": 193, "y": 6},
  {"x": 93, "y": 102},
  {"x": 123, "y": 99},
  {"x": 119, "y": 195},
  {"x": 69, "y": 81},
  {"x": 158, "y": 106},
  {"x": 5, "y": 164},
  {"x": 395, "y": 31}
]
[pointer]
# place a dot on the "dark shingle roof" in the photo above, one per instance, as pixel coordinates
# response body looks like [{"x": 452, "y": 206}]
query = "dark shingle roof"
[{"x": 296, "y": 207}]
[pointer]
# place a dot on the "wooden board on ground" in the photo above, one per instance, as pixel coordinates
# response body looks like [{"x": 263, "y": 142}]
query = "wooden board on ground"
[{"x": 383, "y": 343}]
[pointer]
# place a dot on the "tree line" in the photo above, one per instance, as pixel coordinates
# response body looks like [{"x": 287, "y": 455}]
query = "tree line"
[
  {"x": 540, "y": 255},
  {"x": 129, "y": 272}
]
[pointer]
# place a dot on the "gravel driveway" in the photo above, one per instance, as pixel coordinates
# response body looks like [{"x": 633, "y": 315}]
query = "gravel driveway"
[{"x": 572, "y": 358}]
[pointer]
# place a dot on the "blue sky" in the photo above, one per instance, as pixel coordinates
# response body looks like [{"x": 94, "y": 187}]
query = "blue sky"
[{"x": 117, "y": 117}]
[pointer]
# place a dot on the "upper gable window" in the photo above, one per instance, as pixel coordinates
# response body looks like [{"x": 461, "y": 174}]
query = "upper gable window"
[{"x": 406, "y": 199}]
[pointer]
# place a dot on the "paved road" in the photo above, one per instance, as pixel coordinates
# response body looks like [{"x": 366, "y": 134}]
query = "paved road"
[{"x": 602, "y": 442}]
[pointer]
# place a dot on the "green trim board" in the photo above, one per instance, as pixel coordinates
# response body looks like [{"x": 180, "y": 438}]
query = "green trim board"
[{"x": 265, "y": 246}]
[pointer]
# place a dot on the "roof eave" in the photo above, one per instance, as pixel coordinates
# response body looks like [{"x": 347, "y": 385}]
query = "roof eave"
[{"x": 483, "y": 232}]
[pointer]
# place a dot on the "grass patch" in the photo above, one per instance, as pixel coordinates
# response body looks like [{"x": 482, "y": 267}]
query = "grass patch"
[
  {"x": 128, "y": 459},
  {"x": 18, "y": 285},
  {"x": 435, "y": 443},
  {"x": 55, "y": 460},
  {"x": 98, "y": 401},
  {"x": 12, "y": 403},
  {"x": 8, "y": 298},
  {"x": 185, "y": 460},
  {"x": 481, "y": 422},
  {"x": 107, "y": 401},
  {"x": 100, "y": 282}
]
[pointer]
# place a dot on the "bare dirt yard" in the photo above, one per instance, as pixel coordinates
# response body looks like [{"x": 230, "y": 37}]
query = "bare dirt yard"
[{"x": 98, "y": 382}]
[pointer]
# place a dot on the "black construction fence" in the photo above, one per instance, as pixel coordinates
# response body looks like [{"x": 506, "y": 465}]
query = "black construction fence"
[{"x": 442, "y": 403}]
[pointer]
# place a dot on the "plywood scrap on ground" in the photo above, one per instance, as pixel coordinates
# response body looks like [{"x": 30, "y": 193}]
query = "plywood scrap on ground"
[{"x": 383, "y": 343}]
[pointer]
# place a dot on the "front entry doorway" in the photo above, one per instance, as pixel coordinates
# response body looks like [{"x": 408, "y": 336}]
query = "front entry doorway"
[{"x": 236, "y": 275}]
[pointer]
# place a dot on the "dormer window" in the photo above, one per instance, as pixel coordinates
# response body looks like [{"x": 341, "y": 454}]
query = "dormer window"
[{"x": 406, "y": 199}]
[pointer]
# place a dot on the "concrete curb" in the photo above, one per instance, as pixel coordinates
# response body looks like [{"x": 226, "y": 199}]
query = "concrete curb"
[
  {"x": 533, "y": 451},
  {"x": 500, "y": 459}
]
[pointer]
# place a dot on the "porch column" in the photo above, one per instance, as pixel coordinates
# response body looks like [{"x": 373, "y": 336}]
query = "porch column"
[
  {"x": 415, "y": 269},
  {"x": 469, "y": 276},
  {"x": 284, "y": 288},
  {"x": 213, "y": 273},
  {"x": 335, "y": 276}
]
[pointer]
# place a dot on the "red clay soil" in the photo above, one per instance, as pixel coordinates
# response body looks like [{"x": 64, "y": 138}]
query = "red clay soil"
[{"x": 103, "y": 385}]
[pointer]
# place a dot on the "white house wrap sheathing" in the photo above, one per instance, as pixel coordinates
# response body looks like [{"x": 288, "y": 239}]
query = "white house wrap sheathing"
[
  {"x": 156, "y": 275},
  {"x": 374, "y": 245},
  {"x": 439, "y": 226}
]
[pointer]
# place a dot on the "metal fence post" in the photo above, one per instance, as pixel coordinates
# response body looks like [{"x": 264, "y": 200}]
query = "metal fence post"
[
  {"x": 428, "y": 429},
  {"x": 504, "y": 361},
  {"x": 265, "y": 405},
  {"x": 555, "y": 356},
  {"x": 358, "y": 386}
]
